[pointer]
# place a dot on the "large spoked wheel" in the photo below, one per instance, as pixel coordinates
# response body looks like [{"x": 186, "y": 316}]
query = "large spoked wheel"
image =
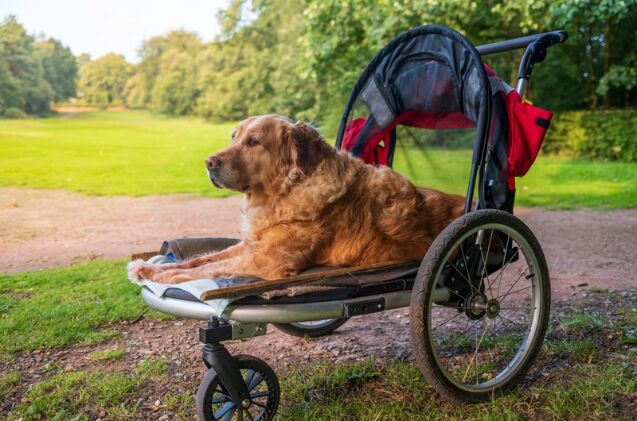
[
  {"x": 481, "y": 341},
  {"x": 215, "y": 403},
  {"x": 312, "y": 329}
]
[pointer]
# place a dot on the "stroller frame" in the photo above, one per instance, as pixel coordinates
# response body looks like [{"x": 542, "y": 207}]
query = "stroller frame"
[{"x": 239, "y": 321}]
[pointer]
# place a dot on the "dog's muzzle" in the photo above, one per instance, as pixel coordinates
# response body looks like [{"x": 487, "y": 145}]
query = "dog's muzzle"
[{"x": 214, "y": 179}]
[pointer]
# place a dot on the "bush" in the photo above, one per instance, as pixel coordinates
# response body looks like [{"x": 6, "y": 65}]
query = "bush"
[
  {"x": 606, "y": 135},
  {"x": 14, "y": 113}
]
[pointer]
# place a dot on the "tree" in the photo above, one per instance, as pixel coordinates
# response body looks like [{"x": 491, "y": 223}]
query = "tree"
[
  {"x": 253, "y": 68},
  {"x": 141, "y": 87},
  {"x": 59, "y": 66},
  {"x": 175, "y": 88},
  {"x": 102, "y": 81},
  {"x": 22, "y": 82},
  {"x": 602, "y": 32}
]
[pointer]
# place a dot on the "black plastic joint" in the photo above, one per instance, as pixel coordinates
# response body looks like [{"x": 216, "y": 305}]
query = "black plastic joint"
[{"x": 215, "y": 332}]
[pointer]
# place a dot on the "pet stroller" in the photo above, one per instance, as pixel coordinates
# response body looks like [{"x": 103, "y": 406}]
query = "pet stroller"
[{"x": 479, "y": 300}]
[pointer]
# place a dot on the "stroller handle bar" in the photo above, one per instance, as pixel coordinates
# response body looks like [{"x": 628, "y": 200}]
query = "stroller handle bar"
[
  {"x": 536, "y": 47},
  {"x": 551, "y": 38}
]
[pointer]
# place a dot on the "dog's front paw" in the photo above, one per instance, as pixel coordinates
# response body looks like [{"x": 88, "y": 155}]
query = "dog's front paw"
[{"x": 139, "y": 270}]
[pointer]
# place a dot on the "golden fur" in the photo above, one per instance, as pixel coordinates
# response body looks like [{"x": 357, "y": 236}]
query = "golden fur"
[{"x": 307, "y": 204}]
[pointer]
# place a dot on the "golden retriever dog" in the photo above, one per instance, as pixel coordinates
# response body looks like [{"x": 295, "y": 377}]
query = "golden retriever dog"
[{"x": 308, "y": 204}]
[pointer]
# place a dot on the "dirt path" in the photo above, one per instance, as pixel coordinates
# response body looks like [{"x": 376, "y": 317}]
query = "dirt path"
[
  {"x": 48, "y": 228},
  {"x": 44, "y": 228}
]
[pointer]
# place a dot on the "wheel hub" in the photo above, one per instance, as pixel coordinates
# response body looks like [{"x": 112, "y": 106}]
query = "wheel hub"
[
  {"x": 475, "y": 306},
  {"x": 245, "y": 403},
  {"x": 493, "y": 309}
]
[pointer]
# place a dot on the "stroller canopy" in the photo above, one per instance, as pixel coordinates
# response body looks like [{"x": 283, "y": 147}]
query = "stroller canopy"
[{"x": 431, "y": 77}]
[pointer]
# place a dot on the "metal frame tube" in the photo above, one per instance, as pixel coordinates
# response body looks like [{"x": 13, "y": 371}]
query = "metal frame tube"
[
  {"x": 277, "y": 313},
  {"x": 516, "y": 43}
]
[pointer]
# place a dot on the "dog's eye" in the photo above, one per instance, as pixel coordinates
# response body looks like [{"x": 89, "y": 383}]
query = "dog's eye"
[{"x": 252, "y": 142}]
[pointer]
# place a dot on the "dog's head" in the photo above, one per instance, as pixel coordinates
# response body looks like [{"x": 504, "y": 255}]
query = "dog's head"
[{"x": 267, "y": 153}]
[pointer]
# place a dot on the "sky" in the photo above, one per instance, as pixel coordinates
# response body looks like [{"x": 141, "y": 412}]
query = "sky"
[{"x": 98, "y": 27}]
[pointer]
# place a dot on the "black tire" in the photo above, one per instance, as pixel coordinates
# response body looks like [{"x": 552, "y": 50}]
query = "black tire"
[
  {"x": 442, "y": 361},
  {"x": 262, "y": 407},
  {"x": 303, "y": 329}
]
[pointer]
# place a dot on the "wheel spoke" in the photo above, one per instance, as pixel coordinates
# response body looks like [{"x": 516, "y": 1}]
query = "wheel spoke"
[
  {"x": 466, "y": 278},
  {"x": 475, "y": 353},
  {"x": 460, "y": 273},
  {"x": 250, "y": 377},
  {"x": 263, "y": 394},
  {"x": 506, "y": 319},
  {"x": 483, "y": 274},
  {"x": 518, "y": 308},
  {"x": 222, "y": 392},
  {"x": 502, "y": 297},
  {"x": 464, "y": 259},
  {"x": 504, "y": 256},
  {"x": 446, "y": 321},
  {"x": 222, "y": 399},
  {"x": 256, "y": 381},
  {"x": 224, "y": 410},
  {"x": 465, "y": 331},
  {"x": 494, "y": 338},
  {"x": 457, "y": 295}
]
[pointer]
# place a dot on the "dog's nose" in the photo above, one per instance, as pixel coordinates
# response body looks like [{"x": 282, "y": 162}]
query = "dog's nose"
[{"x": 213, "y": 163}]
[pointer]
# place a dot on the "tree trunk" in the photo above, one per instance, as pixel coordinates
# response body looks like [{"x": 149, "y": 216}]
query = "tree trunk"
[
  {"x": 592, "y": 80},
  {"x": 606, "y": 53}
]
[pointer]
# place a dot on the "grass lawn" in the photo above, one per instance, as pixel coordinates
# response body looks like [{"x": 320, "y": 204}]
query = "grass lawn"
[
  {"x": 133, "y": 153},
  {"x": 55, "y": 307},
  {"x": 111, "y": 153}
]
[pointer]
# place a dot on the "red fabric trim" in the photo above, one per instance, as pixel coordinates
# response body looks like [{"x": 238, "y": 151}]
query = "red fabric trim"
[
  {"x": 371, "y": 145},
  {"x": 374, "y": 153},
  {"x": 525, "y": 134}
]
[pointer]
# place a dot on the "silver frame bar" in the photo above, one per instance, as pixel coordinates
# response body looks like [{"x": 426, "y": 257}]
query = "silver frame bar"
[{"x": 277, "y": 313}]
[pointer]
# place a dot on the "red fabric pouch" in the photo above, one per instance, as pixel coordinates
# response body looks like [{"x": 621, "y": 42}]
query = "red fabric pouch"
[{"x": 527, "y": 127}]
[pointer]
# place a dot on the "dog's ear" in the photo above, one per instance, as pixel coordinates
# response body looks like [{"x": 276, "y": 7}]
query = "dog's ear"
[
  {"x": 306, "y": 147},
  {"x": 302, "y": 150}
]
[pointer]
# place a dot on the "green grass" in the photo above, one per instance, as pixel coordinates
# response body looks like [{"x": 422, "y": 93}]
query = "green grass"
[
  {"x": 156, "y": 367},
  {"x": 133, "y": 153},
  {"x": 86, "y": 395},
  {"x": 55, "y": 307},
  {"x": 181, "y": 404},
  {"x": 583, "y": 323},
  {"x": 76, "y": 395},
  {"x": 355, "y": 391},
  {"x": 8, "y": 382},
  {"x": 111, "y": 153},
  {"x": 578, "y": 350},
  {"x": 552, "y": 182},
  {"x": 398, "y": 391},
  {"x": 107, "y": 354}
]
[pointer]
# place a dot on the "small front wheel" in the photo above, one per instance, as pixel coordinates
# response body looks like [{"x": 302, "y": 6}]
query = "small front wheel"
[
  {"x": 311, "y": 329},
  {"x": 478, "y": 338},
  {"x": 214, "y": 401}
]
